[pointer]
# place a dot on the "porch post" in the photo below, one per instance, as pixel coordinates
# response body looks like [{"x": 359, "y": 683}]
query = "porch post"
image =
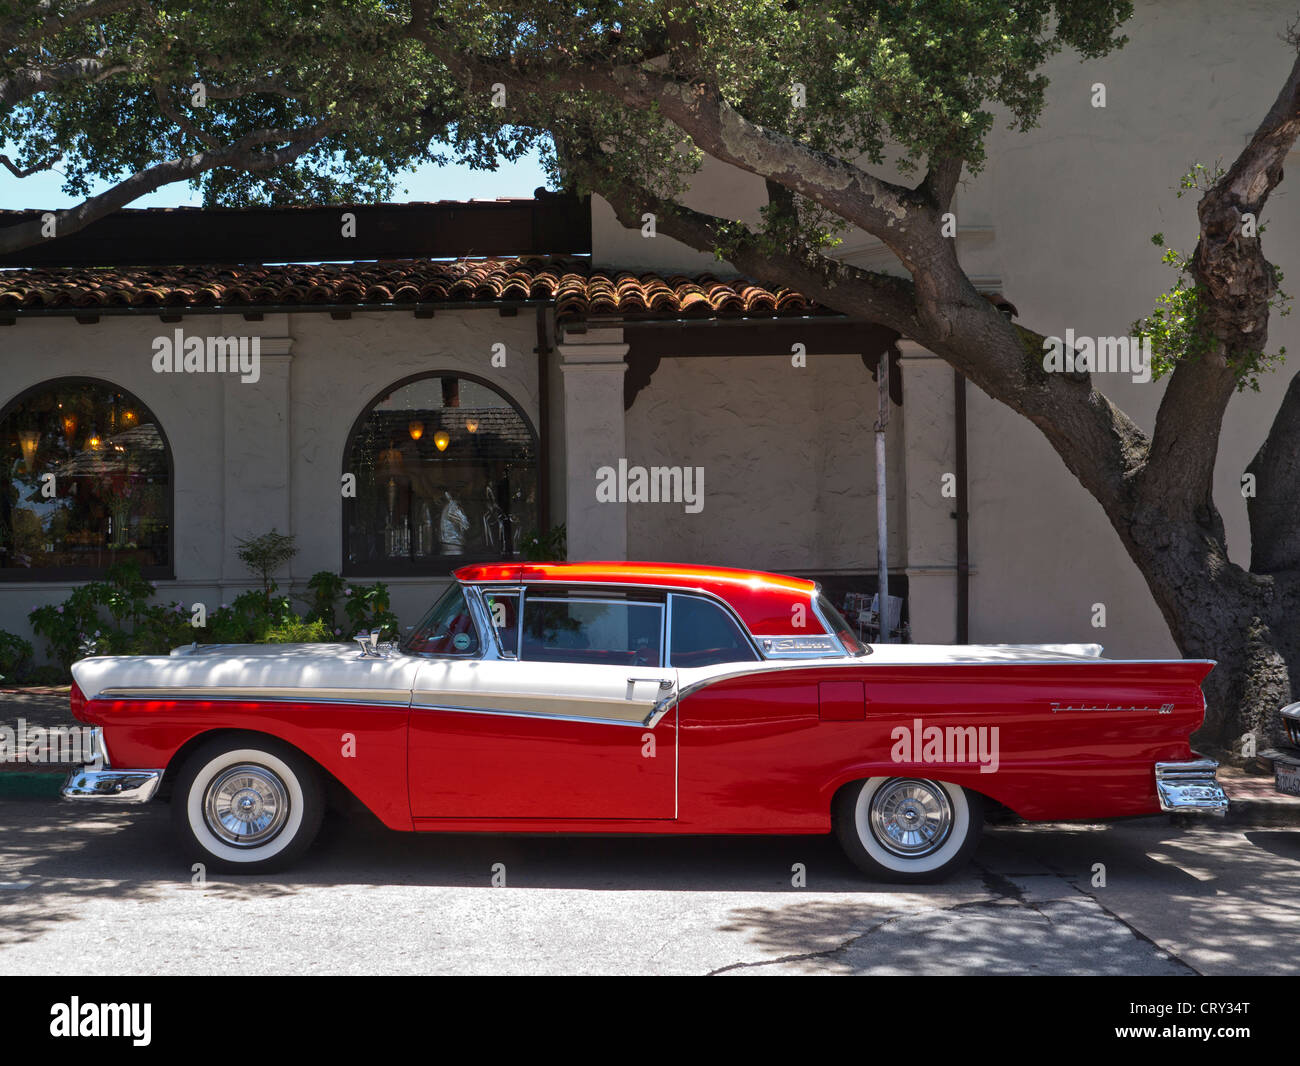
[
  {"x": 595, "y": 437},
  {"x": 930, "y": 462},
  {"x": 257, "y": 452},
  {"x": 882, "y": 523}
]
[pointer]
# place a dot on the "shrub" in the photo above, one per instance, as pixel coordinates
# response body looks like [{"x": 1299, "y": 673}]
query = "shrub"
[
  {"x": 551, "y": 546},
  {"x": 298, "y": 631},
  {"x": 326, "y": 587},
  {"x": 367, "y": 608},
  {"x": 15, "y": 657},
  {"x": 265, "y": 555}
]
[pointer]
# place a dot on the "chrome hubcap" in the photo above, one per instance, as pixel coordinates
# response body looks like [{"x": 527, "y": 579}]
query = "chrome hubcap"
[
  {"x": 246, "y": 805},
  {"x": 911, "y": 817}
]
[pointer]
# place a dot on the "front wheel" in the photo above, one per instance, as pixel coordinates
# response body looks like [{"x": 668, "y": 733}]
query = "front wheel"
[
  {"x": 248, "y": 803},
  {"x": 908, "y": 829}
]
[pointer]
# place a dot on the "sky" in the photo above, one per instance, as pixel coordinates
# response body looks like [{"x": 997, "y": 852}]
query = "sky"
[{"x": 424, "y": 183}]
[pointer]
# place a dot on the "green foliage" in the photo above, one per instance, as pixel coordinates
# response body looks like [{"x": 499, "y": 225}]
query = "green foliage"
[
  {"x": 78, "y": 627},
  {"x": 271, "y": 65},
  {"x": 1177, "y": 325},
  {"x": 907, "y": 79},
  {"x": 298, "y": 631},
  {"x": 326, "y": 587},
  {"x": 248, "y": 619},
  {"x": 15, "y": 657},
  {"x": 367, "y": 607},
  {"x": 551, "y": 546},
  {"x": 265, "y": 555}
]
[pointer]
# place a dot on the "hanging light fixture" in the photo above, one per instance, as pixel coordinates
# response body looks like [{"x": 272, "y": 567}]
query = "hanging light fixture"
[
  {"x": 471, "y": 424},
  {"x": 441, "y": 439},
  {"x": 416, "y": 429},
  {"x": 93, "y": 442},
  {"x": 128, "y": 417},
  {"x": 28, "y": 439},
  {"x": 69, "y": 425}
]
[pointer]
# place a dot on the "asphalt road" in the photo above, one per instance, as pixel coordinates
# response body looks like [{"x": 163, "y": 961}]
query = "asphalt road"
[{"x": 106, "y": 891}]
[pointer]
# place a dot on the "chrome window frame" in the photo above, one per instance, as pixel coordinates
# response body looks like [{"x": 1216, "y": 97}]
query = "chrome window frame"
[
  {"x": 755, "y": 638},
  {"x": 481, "y": 593}
]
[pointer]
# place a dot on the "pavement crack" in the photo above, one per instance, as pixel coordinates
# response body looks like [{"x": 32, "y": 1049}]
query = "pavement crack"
[{"x": 824, "y": 954}]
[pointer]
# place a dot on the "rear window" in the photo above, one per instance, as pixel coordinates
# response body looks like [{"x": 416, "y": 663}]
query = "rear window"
[{"x": 703, "y": 634}]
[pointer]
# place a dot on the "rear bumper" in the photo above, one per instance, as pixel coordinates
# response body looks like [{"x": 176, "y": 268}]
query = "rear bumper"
[
  {"x": 1190, "y": 787},
  {"x": 98, "y": 781}
]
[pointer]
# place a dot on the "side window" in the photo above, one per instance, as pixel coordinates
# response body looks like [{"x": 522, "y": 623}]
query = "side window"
[
  {"x": 603, "y": 632},
  {"x": 503, "y": 611},
  {"x": 703, "y": 634}
]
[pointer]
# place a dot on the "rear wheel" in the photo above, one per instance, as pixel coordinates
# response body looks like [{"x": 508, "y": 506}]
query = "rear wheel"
[
  {"x": 908, "y": 829},
  {"x": 247, "y": 803}
]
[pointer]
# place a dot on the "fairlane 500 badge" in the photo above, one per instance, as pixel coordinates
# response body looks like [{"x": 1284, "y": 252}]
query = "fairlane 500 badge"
[
  {"x": 799, "y": 644},
  {"x": 1164, "y": 708}
]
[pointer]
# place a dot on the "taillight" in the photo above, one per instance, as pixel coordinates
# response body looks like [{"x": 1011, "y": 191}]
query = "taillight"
[{"x": 76, "y": 700}]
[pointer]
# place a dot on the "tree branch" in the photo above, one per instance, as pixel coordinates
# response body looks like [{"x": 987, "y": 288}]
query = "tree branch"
[
  {"x": 22, "y": 31},
  {"x": 18, "y": 172},
  {"x": 26, "y": 83},
  {"x": 1237, "y": 284},
  {"x": 248, "y": 153}
]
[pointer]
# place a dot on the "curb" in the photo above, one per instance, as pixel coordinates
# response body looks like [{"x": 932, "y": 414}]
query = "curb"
[{"x": 27, "y": 784}]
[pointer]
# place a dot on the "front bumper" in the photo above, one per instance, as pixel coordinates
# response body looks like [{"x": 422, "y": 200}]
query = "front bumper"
[
  {"x": 98, "y": 781},
  {"x": 1190, "y": 787}
]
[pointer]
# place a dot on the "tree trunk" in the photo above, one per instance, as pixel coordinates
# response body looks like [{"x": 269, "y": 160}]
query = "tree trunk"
[{"x": 1248, "y": 623}]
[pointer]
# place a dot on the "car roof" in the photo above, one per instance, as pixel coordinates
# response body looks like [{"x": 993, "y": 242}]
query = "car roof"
[{"x": 763, "y": 600}]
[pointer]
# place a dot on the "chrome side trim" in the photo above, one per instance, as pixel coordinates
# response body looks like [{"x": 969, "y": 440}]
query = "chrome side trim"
[
  {"x": 1190, "y": 787},
  {"x": 115, "y": 786},
  {"x": 660, "y": 709},
  {"x": 367, "y": 697},
  {"x": 502, "y": 712}
]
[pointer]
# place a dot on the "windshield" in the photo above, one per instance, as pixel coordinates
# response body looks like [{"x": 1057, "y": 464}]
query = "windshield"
[
  {"x": 841, "y": 628},
  {"x": 447, "y": 629}
]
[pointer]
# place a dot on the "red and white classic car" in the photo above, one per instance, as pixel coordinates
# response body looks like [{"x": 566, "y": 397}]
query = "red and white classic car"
[{"x": 641, "y": 698}]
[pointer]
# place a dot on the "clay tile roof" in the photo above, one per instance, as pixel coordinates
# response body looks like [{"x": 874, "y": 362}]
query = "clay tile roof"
[{"x": 576, "y": 289}]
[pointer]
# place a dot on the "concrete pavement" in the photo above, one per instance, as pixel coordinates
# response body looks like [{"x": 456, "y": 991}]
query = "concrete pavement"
[{"x": 108, "y": 891}]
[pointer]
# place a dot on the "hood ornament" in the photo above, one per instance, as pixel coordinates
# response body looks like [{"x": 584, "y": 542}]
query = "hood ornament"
[{"x": 370, "y": 646}]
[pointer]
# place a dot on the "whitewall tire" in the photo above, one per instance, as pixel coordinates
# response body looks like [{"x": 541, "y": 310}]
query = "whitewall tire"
[
  {"x": 908, "y": 829},
  {"x": 247, "y": 803}
]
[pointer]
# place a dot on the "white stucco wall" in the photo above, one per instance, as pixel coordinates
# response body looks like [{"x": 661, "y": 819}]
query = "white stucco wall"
[
  {"x": 788, "y": 457},
  {"x": 1060, "y": 220},
  {"x": 1074, "y": 204},
  {"x": 251, "y": 455}
]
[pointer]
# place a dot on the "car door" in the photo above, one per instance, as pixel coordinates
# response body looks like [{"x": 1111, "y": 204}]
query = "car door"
[{"x": 568, "y": 714}]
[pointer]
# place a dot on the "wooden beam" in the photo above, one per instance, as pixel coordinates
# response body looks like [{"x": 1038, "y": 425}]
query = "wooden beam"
[
  {"x": 648, "y": 344},
  {"x": 548, "y": 224}
]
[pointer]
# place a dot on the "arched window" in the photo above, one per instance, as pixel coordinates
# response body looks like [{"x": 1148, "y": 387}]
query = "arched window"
[
  {"x": 446, "y": 474},
  {"x": 85, "y": 482}
]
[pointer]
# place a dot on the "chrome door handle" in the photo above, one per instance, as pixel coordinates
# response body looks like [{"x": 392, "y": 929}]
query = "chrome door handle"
[{"x": 664, "y": 683}]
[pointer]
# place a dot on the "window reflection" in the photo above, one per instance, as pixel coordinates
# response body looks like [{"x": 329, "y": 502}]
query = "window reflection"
[
  {"x": 84, "y": 483},
  {"x": 446, "y": 472}
]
